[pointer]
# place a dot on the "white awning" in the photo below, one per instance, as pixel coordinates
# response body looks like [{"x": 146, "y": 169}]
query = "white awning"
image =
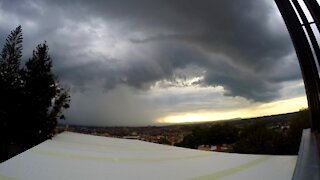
[{"x": 79, "y": 156}]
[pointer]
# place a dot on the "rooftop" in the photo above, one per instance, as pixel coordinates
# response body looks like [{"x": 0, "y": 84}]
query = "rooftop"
[{"x": 79, "y": 156}]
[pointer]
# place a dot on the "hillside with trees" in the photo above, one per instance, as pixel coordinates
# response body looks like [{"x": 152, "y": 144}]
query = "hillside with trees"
[{"x": 254, "y": 138}]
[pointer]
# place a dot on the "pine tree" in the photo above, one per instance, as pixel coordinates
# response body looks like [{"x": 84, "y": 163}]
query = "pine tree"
[
  {"x": 10, "y": 85},
  {"x": 31, "y": 99},
  {"x": 10, "y": 79},
  {"x": 47, "y": 98},
  {"x": 11, "y": 56}
]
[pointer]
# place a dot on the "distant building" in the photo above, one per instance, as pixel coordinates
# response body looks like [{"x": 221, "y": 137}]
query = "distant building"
[{"x": 218, "y": 147}]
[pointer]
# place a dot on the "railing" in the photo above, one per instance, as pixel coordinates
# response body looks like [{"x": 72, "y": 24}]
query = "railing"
[{"x": 306, "y": 52}]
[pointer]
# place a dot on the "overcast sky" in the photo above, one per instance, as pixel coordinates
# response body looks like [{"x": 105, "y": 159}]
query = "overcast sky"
[{"x": 147, "y": 62}]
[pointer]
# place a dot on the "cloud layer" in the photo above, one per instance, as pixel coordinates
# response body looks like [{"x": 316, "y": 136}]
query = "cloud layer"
[{"x": 137, "y": 45}]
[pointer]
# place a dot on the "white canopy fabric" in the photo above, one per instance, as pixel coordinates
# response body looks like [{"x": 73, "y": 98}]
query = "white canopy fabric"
[{"x": 78, "y": 156}]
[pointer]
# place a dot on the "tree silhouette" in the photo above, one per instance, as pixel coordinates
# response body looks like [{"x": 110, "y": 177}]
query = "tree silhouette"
[
  {"x": 10, "y": 86},
  {"x": 213, "y": 135},
  {"x": 31, "y": 98},
  {"x": 10, "y": 79},
  {"x": 256, "y": 139},
  {"x": 42, "y": 89}
]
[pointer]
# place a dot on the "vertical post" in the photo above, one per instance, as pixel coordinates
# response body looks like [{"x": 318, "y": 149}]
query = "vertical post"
[{"x": 306, "y": 60}]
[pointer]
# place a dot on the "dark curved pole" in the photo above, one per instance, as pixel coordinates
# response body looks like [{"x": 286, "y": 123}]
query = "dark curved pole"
[
  {"x": 314, "y": 10},
  {"x": 309, "y": 30},
  {"x": 306, "y": 60}
]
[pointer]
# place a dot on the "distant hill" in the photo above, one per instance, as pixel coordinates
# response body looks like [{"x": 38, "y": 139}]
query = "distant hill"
[
  {"x": 279, "y": 118},
  {"x": 272, "y": 119},
  {"x": 176, "y": 128}
]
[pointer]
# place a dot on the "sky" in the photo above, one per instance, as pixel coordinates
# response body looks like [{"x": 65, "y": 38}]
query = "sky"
[{"x": 154, "y": 62}]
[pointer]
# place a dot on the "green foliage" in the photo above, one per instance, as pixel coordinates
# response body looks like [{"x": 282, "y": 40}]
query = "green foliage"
[
  {"x": 296, "y": 127},
  {"x": 256, "y": 138},
  {"x": 31, "y": 98},
  {"x": 164, "y": 140},
  {"x": 222, "y": 134},
  {"x": 189, "y": 141},
  {"x": 41, "y": 87},
  {"x": 10, "y": 82},
  {"x": 11, "y": 54},
  {"x": 216, "y": 134}
]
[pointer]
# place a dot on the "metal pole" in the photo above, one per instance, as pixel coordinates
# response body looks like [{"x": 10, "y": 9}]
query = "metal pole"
[
  {"x": 314, "y": 10},
  {"x": 306, "y": 60},
  {"x": 308, "y": 29}
]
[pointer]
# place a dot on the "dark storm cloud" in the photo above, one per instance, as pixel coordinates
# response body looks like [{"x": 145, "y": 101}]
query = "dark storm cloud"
[{"x": 241, "y": 45}]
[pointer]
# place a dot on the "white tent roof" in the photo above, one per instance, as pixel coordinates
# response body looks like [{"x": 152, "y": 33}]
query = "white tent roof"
[{"x": 78, "y": 156}]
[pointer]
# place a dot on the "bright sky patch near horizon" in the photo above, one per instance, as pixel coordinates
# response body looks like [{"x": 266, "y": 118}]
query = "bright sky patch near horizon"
[
  {"x": 265, "y": 109},
  {"x": 142, "y": 62}
]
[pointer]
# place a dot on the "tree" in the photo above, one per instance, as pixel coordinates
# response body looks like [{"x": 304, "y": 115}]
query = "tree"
[
  {"x": 10, "y": 79},
  {"x": 164, "y": 140},
  {"x": 255, "y": 139},
  {"x": 214, "y": 135},
  {"x": 295, "y": 131},
  {"x": 31, "y": 98},
  {"x": 10, "y": 85},
  {"x": 47, "y": 97},
  {"x": 222, "y": 134},
  {"x": 188, "y": 141}
]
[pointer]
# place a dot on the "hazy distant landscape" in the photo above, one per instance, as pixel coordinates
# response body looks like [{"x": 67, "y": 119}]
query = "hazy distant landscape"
[
  {"x": 274, "y": 125},
  {"x": 182, "y": 127}
]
